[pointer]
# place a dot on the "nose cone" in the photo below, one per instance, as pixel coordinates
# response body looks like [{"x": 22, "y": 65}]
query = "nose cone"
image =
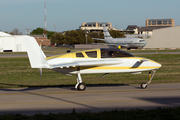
[
  {"x": 150, "y": 64},
  {"x": 158, "y": 65},
  {"x": 145, "y": 43},
  {"x": 155, "y": 64}
]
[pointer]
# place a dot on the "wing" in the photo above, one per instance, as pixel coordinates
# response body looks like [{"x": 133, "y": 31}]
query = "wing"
[
  {"x": 122, "y": 44},
  {"x": 117, "y": 44},
  {"x": 98, "y": 39},
  {"x": 87, "y": 63}
]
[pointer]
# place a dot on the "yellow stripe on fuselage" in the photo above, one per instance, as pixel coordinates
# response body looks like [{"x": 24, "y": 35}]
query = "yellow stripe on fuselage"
[
  {"x": 73, "y": 54},
  {"x": 118, "y": 67},
  {"x": 115, "y": 68}
]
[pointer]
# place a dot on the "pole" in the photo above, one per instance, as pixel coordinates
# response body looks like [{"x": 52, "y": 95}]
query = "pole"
[
  {"x": 45, "y": 25},
  {"x": 55, "y": 28},
  {"x": 86, "y": 38}
]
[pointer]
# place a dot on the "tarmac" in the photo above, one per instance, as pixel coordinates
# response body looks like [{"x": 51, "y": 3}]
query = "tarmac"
[{"x": 65, "y": 99}]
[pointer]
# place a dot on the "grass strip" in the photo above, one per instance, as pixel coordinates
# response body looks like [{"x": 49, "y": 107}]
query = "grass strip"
[
  {"x": 16, "y": 72},
  {"x": 137, "y": 114}
]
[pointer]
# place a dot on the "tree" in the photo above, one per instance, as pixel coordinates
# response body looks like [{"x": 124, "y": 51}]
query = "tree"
[
  {"x": 40, "y": 31},
  {"x": 16, "y": 32},
  {"x": 37, "y": 31},
  {"x": 59, "y": 39},
  {"x": 116, "y": 34},
  {"x": 95, "y": 35}
]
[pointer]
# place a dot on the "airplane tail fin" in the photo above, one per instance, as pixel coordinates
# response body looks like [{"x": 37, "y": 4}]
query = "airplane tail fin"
[
  {"x": 35, "y": 54},
  {"x": 106, "y": 32}
]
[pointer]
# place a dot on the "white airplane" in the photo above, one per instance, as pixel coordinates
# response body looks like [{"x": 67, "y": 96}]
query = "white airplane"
[
  {"x": 104, "y": 60},
  {"x": 122, "y": 42}
]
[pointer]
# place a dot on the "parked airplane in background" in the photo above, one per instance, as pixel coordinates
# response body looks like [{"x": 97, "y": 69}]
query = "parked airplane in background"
[
  {"x": 104, "y": 60},
  {"x": 128, "y": 43}
]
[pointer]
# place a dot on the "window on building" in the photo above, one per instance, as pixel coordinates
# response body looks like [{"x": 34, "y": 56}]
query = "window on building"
[
  {"x": 159, "y": 22},
  {"x": 164, "y": 22},
  {"x": 169, "y": 22},
  {"x": 153, "y": 22},
  {"x": 149, "y": 22},
  {"x": 92, "y": 54}
]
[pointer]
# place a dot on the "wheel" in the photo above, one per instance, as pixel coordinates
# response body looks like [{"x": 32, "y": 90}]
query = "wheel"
[
  {"x": 81, "y": 87},
  {"x": 143, "y": 85},
  {"x": 128, "y": 48}
]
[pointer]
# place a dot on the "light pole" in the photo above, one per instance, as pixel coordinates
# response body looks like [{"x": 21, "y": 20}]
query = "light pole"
[
  {"x": 55, "y": 28},
  {"x": 41, "y": 44},
  {"x": 86, "y": 38}
]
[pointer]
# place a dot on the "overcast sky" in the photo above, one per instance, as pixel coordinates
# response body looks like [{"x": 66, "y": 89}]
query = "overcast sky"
[{"x": 70, "y": 14}]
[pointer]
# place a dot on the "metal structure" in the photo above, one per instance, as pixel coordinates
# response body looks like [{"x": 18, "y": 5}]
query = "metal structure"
[{"x": 45, "y": 24}]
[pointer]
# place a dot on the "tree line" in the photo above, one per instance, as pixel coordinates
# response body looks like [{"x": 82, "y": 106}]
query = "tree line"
[
  {"x": 72, "y": 37},
  {"x": 79, "y": 37}
]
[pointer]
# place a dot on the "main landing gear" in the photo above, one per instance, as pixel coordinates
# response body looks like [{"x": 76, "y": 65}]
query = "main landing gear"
[
  {"x": 144, "y": 85},
  {"x": 80, "y": 85}
]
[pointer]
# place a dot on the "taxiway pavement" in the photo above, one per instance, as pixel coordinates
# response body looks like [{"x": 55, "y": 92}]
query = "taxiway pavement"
[{"x": 47, "y": 100}]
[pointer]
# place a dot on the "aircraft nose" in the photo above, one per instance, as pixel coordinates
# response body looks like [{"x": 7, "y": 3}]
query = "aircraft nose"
[{"x": 158, "y": 65}]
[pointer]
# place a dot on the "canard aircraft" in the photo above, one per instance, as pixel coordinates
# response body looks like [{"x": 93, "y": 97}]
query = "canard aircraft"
[
  {"x": 128, "y": 42},
  {"x": 103, "y": 60}
]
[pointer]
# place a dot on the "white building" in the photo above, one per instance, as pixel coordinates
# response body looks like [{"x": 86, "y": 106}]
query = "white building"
[
  {"x": 164, "y": 38},
  {"x": 95, "y": 26},
  {"x": 9, "y": 43}
]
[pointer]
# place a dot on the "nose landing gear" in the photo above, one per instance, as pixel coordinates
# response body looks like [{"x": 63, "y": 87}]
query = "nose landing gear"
[{"x": 144, "y": 85}]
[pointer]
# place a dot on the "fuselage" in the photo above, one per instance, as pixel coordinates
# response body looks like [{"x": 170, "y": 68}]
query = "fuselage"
[
  {"x": 118, "y": 63},
  {"x": 127, "y": 42}
]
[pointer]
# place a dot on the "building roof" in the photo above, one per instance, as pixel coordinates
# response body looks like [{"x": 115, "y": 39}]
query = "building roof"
[
  {"x": 151, "y": 28},
  {"x": 100, "y": 23},
  {"x": 4, "y": 34},
  {"x": 131, "y": 27},
  {"x": 160, "y": 19}
]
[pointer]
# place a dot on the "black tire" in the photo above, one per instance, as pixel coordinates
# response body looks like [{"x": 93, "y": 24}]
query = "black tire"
[
  {"x": 143, "y": 85},
  {"x": 128, "y": 48},
  {"x": 81, "y": 87}
]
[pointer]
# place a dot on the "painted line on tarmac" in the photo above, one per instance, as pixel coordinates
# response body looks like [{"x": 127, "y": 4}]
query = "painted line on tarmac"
[{"x": 83, "y": 92}]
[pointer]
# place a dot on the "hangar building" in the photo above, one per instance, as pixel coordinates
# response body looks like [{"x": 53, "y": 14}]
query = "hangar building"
[
  {"x": 164, "y": 38},
  {"x": 14, "y": 43}
]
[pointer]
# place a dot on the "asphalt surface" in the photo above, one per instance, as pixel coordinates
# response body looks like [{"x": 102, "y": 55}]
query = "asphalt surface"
[{"x": 47, "y": 100}]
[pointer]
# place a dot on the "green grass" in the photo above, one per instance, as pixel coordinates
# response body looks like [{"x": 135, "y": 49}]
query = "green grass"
[
  {"x": 137, "y": 114},
  {"x": 16, "y": 72},
  {"x": 60, "y": 50}
]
